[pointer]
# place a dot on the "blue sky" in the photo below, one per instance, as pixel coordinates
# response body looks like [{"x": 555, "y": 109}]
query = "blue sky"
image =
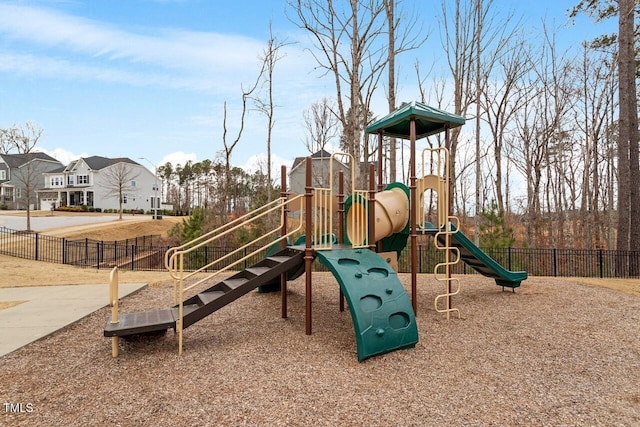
[{"x": 148, "y": 78}]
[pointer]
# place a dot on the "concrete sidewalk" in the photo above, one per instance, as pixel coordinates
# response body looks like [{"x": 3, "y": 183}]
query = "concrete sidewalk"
[{"x": 48, "y": 309}]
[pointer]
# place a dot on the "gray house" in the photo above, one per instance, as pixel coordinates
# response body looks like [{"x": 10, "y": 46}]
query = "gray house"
[
  {"x": 94, "y": 182},
  {"x": 320, "y": 167},
  {"x": 21, "y": 178}
]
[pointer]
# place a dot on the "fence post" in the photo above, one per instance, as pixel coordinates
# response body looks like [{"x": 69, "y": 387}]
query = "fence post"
[
  {"x": 555, "y": 262},
  {"x": 86, "y": 251},
  {"x": 98, "y": 257},
  {"x": 509, "y": 258},
  {"x": 600, "y": 263},
  {"x": 36, "y": 254},
  {"x": 64, "y": 250},
  {"x": 133, "y": 248}
]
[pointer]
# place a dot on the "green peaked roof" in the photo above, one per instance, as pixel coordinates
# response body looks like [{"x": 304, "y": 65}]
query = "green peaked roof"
[{"x": 429, "y": 121}]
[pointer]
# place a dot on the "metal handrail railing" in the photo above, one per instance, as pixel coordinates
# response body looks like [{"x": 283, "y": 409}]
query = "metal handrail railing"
[
  {"x": 211, "y": 233},
  {"x": 175, "y": 261}
]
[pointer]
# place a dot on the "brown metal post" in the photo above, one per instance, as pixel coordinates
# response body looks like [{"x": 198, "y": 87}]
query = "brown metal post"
[
  {"x": 412, "y": 215},
  {"x": 380, "y": 176},
  {"x": 380, "y": 162},
  {"x": 447, "y": 144},
  {"x": 308, "y": 250},
  {"x": 283, "y": 244},
  {"x": 341, "y": 222},
  {"x": 372, "y": 208},
  {"x": 341, "y": 207}
]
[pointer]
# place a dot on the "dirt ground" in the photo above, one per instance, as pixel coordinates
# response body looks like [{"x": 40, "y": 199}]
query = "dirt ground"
[{"x": 559, "y": 351}]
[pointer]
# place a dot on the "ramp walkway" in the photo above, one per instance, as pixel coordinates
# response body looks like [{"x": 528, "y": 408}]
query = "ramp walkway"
[{"x": 479, "y": 260}]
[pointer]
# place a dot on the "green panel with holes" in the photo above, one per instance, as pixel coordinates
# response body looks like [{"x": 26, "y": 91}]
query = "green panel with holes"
[{"x": 382, "y": 315}]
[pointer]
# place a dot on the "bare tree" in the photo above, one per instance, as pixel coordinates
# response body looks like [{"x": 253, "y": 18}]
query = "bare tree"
[
  {"x": 229, "y": 146},
  {"x": 23, "y": 139},
  {"x": 499, "y": 101},
  {"x": 118, "y": 182},
  {"x": 270, "y": 56},
  {"x": 629, "y": 172},
  {"x": 403, "y": 35},
  {"x": 357, "y": 26},
  {"x": 321, "y": 125}
]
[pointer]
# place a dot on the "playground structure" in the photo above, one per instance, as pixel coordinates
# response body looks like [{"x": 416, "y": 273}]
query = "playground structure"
[{"x": 371, "y": 229}]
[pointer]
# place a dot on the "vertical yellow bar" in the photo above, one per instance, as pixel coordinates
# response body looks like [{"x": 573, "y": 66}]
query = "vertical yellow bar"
[
  {"x": 113, "y": 297},
  {"x": 181, "y": 306}
]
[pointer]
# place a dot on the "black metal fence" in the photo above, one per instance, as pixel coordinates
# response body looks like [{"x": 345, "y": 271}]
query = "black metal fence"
[{"x": 147, "y": 253}]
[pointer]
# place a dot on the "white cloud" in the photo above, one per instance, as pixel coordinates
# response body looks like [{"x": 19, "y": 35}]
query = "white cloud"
[
  {"x": 168, "y": 57},
  {"x": 178, "y": 158},
  {"x": 63, "y": 156}
]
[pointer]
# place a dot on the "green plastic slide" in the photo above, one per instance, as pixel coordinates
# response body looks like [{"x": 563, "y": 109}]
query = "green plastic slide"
[{"x": 479, "y": 260}]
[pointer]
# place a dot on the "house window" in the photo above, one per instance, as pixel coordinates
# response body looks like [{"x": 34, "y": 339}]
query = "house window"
[
  {"x": 83, "y": 179},
  {"x": 3, "y": 175},
  {"x": 70, "y": 180},
  {"x": 133, "y": 183},
  {"x": 124, "y": 199},
  {"x": 154, "y": 187}
]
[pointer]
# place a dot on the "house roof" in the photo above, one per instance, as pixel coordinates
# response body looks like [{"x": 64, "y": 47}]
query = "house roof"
[
  {"x": 17, "y": 160},
  {"x": 321, "y": 154},
  {"x": 99, "y": 162},
  {"x": 429, "y": 121}
]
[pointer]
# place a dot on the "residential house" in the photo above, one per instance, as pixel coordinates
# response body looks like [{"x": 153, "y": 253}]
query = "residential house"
[
  {"x": 21, "y": 178},
  {"x": 94, "y": 182},
  {"x": 320, "y": 168}
]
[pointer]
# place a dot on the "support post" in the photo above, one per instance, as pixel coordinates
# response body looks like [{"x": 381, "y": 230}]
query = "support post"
[
  {"x": 341, "y": 223},
  {"x": 447, "y": 143},
  {"x": 380, "y": 162},
  {"x": 283, "y": 232},
  {"x": 308, "y": 250},
  {"x": 412, "y": 216},
  {"x": 372, "y": 208},
  {"x": 113, "y": 301}
]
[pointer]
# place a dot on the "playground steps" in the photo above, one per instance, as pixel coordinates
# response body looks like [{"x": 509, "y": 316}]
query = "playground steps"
[{"x": 214, "y": 298}]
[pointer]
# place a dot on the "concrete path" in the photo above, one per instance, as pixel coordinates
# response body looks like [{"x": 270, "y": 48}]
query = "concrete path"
[
  {"x": 43, "y": 223},
  {"x": 48, "y": 309}
]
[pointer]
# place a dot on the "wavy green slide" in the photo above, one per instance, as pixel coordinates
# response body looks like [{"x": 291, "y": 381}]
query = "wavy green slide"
[{"x": 480, "y": 260}]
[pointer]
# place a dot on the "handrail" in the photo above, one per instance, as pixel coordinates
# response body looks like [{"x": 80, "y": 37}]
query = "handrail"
[
  {"x": 231, "y": 223},
  {"x": 175, "y": 262},
  {"x": 113, "y": 302}
]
